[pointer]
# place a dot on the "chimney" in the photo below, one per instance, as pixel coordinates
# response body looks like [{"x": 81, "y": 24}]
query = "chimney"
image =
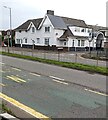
[{"x": 51, "y": 12}]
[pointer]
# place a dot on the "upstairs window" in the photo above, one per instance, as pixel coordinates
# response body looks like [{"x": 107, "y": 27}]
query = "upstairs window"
[
  {"x": 47, "y": 29},
  {"x": 82, "y": 30},
  {"x": 89, "y": 31},
  {"x": 33, "y": 29},
  {"x": 77, "y": 29}
]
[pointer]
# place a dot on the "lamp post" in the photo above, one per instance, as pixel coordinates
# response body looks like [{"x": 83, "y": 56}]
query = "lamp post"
[
  {"x": 33, "y": 42},
  {"x": 10, "y": 23},
  {"x": 92, "y": 38},
  {"x": 95, "y": 32}
]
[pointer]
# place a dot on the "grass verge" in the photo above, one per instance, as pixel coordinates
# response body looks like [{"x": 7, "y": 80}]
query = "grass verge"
[
  {"x": 78, "y": 66},
  {"x": 88, "y": 56},
  {"x": 4, "y": 108}
]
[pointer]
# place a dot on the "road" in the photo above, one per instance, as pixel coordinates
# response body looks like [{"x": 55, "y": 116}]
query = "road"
[
  {"x": 48, "y": 90},
  {"x": 83, "y": 78}
]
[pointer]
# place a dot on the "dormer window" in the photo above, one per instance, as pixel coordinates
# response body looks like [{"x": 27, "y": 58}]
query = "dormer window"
[
  {"x": 33, "y": 29},
  {"x": 77, "y": 29},
  {"x": 47, "y": 29},
  {"x": 89, "y": 31},
  {"x": 82, "y": 30}
]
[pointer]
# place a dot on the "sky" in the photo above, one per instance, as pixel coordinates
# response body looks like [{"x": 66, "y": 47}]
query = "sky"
[{"x": 93, "y": 12}]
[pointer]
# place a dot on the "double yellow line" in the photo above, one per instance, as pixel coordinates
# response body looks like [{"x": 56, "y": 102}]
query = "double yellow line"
[
  {"x": 24, "y": 107},
  {"x": 1, "y": 84},
  {"x": 16, "y": 79}
]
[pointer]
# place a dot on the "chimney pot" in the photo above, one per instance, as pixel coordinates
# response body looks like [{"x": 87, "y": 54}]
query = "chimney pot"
[{"x": 51, "y": 12}]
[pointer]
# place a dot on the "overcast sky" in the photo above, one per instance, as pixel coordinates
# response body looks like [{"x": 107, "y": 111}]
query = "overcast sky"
[{"x": 91, "y": 11}]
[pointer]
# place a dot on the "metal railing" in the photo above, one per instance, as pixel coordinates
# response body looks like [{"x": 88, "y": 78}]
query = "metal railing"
[{"x": 74, "y": 57}]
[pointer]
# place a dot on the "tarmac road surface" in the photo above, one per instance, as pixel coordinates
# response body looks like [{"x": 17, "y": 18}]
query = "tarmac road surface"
[{"x": 47, "y": 90}]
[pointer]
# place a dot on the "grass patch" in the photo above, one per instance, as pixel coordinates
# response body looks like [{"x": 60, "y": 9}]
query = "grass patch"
[
  {"x": 4, "y": 108},
  {"x": 78, "y": 66},
  {"x": 94, "y": 57}
]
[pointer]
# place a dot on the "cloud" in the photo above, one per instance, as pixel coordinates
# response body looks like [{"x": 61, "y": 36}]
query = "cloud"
[{"x": 92, "y": 11}]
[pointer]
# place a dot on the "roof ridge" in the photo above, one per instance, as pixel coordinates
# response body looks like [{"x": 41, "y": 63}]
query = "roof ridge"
[
  {"x": 35, "y": 19},
  {"x": 68, "y": 17}
]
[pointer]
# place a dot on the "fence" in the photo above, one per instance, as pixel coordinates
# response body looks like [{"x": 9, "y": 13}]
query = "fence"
[{"x": 74, "y": 57}]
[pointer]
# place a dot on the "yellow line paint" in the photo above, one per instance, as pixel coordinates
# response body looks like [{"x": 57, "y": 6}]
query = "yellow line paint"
[
  {"x": 35, "y": 74},
  {"x": 12, "y": 78},
  {"x": 24, "y": 107},
  {"x": 1, "y": 84},
  {"x": 19, "y": 79},
  {"x": 16, "y": 69},
  {"x": 60, "y": 82},
  {"x": 96, "y": 92},
  {"x": 16, "y": 79}
]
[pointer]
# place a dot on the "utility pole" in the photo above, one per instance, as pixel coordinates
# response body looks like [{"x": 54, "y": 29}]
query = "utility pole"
[{"x": 10, "y": 12}]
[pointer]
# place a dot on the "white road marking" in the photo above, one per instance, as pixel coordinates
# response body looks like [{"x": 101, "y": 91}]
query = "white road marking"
[
  {"x": 17, "y": 75},
  {"x": 16, "y": 69},
  {"x": 96, "y": 92},
  {"x": 60, "y": 82},
  {"x": 35, "y": 74},
  {"x": 56, "y": 78}
]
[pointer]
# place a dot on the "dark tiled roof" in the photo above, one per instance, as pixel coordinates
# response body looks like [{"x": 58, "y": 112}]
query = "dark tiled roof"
[
  {"x": 25, "y": 25},
  {"x": 97, "y": 28},
  {"x": 63, "y": 22},
  {"x": 74, "y": 22},
  {"x": 66, "y": 34},
  {"x": 81, "y": 37},
  {"x": 37, "y": 22},
  {"x": 57, "y": 22}
]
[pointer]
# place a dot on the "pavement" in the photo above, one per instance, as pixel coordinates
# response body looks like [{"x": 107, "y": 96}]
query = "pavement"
[{"x": 19, "y": 113}]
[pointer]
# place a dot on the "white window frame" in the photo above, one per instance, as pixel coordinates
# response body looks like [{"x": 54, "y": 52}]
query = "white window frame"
[
  {"x": 38, "y": 40},
  {"x": 25, "y": 40},
  {"x": 47, "y": 29},
  {"x": 79, "y": 42},
  {"x": 82, "y": 43},
  {"x": 18, "y": 41},
  {"x": 77, "y": 29},
  {"x": 33, "y": 29},
  {"x": 73, "y": 43},
  {"x": 46, "y": 41},
  {"x": 65, "y": 43}
]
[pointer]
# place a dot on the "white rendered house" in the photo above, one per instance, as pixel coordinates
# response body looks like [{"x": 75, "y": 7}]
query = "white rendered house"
[{"x": 53, "y": 32}]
